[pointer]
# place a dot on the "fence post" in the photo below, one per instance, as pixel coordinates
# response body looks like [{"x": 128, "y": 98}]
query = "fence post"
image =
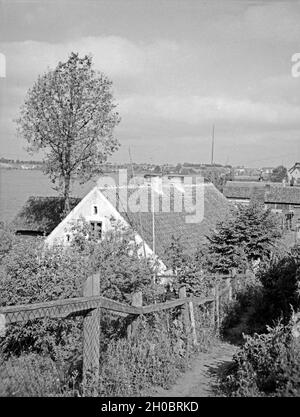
[
  {"x": 233, "y": 282},
  {"x": 137, "y": 301},
  {"x": 185, "y": 313},
  {"x": 229, "y": 286},
  {"x": 193, "y": 325},
  {"x": 217, "y": 306},
  {"x": 91, "y": 332},
  {"x": 213, "y": 307},
  {"x": 2, "y": 325}
]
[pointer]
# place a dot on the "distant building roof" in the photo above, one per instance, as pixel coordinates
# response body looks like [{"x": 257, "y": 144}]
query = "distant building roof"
[
  {"x": 273, "y": 192},
  {"x": 286, "y": 195},
  {"x": 41, "y": 214}
]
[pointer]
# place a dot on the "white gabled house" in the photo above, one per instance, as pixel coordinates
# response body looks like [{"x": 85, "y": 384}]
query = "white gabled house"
[
  {"x": 153, "y": 226},
  {"x": 99, "y": 212}
]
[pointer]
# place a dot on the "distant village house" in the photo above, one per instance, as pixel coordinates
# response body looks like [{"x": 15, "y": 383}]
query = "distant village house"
[{"x": 278, "y": 197}]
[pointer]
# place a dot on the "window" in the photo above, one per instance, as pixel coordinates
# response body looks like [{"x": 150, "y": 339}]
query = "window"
[
  {"x": 95, "y": 210},
  {"x": 96, "y": 229}
]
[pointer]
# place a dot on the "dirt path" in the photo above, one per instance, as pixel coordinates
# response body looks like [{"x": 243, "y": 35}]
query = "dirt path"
[{"x": 201, "y": 380}]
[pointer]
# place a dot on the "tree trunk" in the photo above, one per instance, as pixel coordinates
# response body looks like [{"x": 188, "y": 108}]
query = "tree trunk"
[{"x": 66, "y": 196}]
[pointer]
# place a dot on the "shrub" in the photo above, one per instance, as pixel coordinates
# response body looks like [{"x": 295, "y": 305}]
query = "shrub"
[
  {"x": 189, "y": 268},
  {"x": 153, "y": 358},
  {"x": 6, "y": 241},
  {"x": 32, "y": 375},
  {"x": 281, "y": 283},
  {"x": 32, "y": 273},
  {"x": 266, "y": 365},
  {"x": 271, "y": 296}
]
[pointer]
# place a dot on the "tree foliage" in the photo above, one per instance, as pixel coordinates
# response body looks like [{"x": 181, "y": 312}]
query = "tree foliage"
[
  {"x": 6, "y": 241},
  {"x": 281, "y": 288},
  {"x": 52, "y": 348},
  {"x": 248, "y": 234},
  {"x": 266, "y": 365},
  {"x": 33, "y": 273},
  {"x": 189, "y": 268},
  {"x": 217, "y": 177},
  {"x": 69, "y": 113},
  {"x": 279, "y": 174}
]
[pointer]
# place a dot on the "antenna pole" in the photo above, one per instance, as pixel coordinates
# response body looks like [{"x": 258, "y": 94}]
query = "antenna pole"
[
  {"x": 153, "y": 221},
  {"x": 140, "y": 217},
  {"x": 131, "y": 164},
  {"x": 212, "y": 145}
]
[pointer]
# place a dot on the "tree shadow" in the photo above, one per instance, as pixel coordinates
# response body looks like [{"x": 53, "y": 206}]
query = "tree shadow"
[
  {"x": 218, "y": 373},
  {"x": 241, "y": 315}
]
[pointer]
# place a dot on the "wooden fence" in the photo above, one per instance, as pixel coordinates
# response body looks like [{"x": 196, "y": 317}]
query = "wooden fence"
[{"x": 89, "y": 306}]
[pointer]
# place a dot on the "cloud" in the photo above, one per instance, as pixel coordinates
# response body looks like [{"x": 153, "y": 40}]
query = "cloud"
[
  {"x": 274, "y": 21},
  {"x": 234, "y": 71},
  {"x": 197, "y": 110},
  {"x": 116, "y": 56},
  {"x": 267, "y": 21}
]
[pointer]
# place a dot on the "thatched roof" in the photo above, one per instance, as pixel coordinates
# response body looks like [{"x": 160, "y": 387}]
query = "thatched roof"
[
  {"x": 41, "y": 214},
  {"x": 167, "y": 224}
]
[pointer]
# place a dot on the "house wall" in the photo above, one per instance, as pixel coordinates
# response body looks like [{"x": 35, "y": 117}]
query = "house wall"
[
  {"x": 84, "y": 209},
  {"x": 294, "y": 173}
]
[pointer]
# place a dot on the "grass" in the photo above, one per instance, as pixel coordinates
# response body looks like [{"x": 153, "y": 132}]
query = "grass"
[{"x": 154, "y": 357}]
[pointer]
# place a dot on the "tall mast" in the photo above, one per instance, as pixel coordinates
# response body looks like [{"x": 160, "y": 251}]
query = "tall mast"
[
  {"x": 153, "y": 219},
  {"x": 212, "y": 144},
  {"x": 140, "y": 217}
]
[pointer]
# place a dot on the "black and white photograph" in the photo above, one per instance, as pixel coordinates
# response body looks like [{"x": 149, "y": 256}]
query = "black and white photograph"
[{"x": 149, "y": 202}]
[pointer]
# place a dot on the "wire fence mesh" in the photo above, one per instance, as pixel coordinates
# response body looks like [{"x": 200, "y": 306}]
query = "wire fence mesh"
[{"x": 60, "y": 348}]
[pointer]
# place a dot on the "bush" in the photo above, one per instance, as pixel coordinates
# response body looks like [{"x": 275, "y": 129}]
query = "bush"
[
  {"x": 153, "y": 358},
  {"x": 6, "y": 241},
  {"x": 281, "y": 283},
  {"x": 189, "y": 268},
  {"x": 238, "y": 314},
  {"x": 32, "y": 273},
  {"x": 271, "y": 296},
  {"x": 32, "y": 375},
  {"x": 266, "y": 365}
]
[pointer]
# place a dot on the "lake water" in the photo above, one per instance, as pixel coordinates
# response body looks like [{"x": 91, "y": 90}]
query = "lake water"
[{"x": 16, "y": 186}]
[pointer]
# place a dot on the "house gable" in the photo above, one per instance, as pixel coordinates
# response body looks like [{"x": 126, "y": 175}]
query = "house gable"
[{"x": 95, "y": 207}]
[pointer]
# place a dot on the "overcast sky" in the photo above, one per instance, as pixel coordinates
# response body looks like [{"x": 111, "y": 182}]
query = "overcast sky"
[{"x": 177, "y": 67}]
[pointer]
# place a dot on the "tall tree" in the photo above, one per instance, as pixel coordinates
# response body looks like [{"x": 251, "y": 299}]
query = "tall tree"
[
  {"x": 69, "y": 113},
  {"x": 249, "y": 233},
  {"x": 279, "y": 174}
]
